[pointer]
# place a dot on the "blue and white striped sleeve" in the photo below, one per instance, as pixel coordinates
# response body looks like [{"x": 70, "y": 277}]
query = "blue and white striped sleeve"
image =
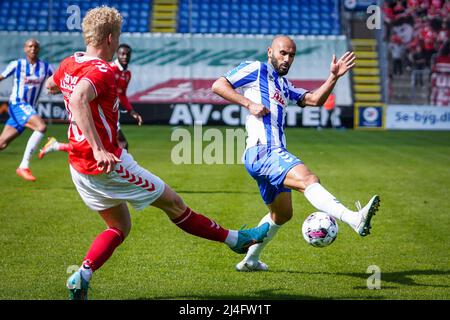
[
  {"x": 9, "y": 69},
  {"x": 50, "y": 71},
  {"x": 296, "y": 94},
  {"x": 245, "y": 73}
]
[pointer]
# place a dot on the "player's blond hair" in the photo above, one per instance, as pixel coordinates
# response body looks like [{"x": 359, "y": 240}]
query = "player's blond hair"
[{"x": 98, "y": 23}]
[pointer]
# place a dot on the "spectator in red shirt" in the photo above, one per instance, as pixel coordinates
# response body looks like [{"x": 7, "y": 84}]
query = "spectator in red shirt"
[{"x": 429, "y": 40}]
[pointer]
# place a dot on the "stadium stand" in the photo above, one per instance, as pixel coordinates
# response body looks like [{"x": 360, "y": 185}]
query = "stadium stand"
[
  {"x": 319, "y": 17},
  {"x": 31, "y": 15},
  {"x": 417, "y": 33}
]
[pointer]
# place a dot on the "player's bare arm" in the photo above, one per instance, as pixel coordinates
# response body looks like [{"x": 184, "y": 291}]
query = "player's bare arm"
[
  {"x": 2, "y": 78},
  {"x": 82, "y": 94},
  {"x": 337, "y": 69},
  {"x": 51, "y": 86},
  {"x": 224, "y": 89}
]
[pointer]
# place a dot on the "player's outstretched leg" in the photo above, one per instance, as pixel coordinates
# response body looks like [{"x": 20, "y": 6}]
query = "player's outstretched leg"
[
  {"x": 201, "y": 226},
  {"x": 302, "y": 179},
  {"x": 53, "y": 145},
  {"x": 360, "y": 221}
]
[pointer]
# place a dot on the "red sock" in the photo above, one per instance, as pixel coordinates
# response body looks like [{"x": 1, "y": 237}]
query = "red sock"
[
  {"x": 103, "y": 247},
  {"x": 200, "y": 226},
  {"x": 65, "y": 147}
]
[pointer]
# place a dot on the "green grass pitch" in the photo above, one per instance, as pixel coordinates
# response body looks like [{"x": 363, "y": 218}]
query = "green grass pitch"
[{"x": 45, "y": 227}]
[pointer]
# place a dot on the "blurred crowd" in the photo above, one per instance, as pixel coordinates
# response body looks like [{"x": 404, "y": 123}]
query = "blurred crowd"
[{"x": 418, "y": 34}]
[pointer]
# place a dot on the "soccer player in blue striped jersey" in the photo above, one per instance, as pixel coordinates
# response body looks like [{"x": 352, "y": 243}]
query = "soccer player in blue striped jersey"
[
  {"x": 263, "y": 89},
  {"x": 29, "y": 78}
]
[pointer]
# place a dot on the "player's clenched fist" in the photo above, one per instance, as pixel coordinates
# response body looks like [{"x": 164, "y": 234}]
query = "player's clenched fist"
[{"x": 258, "y": 110}]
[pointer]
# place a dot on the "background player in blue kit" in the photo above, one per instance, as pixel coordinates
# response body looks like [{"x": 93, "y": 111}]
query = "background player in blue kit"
[
  {"x": 29, "y": 77},
  {"x": 264, "y": 91}
]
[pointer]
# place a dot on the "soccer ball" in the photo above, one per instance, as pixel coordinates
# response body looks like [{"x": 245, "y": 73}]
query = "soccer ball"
[{"x": 319, "y": 229}]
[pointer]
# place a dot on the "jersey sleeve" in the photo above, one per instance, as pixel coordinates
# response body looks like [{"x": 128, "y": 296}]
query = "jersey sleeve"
[
  {"x": 59, "y": 72},
  {"x": 243, "y": 74},
  {"x": 10, "y": 68},
  {"x": 123, "y": 94},
  {"x": 125, "y": 102},
  {"x": 50, "y": 70},
  {"x": 296, "y": 94},
  {"x": 57, "y": 76}
]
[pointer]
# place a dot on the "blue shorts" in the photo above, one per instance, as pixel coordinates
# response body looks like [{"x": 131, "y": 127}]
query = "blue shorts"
[
  {"x": 269, "y": 168},
  {"x": 19, "y": 115}
]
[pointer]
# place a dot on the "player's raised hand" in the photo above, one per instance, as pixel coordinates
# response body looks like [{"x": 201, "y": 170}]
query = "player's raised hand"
[
  {"x": 345, "y": 63},
  {"x": 258, "y": 110},
  {"x": 106, "y": 161}
]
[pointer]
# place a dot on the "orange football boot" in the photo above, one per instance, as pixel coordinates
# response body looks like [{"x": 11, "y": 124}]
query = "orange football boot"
[{"x": 25, "y": 173}]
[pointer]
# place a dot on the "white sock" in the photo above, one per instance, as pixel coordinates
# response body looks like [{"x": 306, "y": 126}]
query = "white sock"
[
  {"x": 255, "y": 250},
  {"x": 32, "y": 144},
  {"x": 86, "y": 272},
  {"x": 232, "y": 238},
  {"x": 324, "y": 201}
]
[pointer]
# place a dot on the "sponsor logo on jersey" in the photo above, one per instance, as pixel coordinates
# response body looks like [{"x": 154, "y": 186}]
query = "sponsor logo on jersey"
[
  {"x": 33, "y": 80},
  {"x": 277, "y": 97},
  {"x": 69, "y": 82}
]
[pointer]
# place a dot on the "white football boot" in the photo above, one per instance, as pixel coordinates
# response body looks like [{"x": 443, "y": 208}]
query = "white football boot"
[
  {"x": 366, "y": 214},
  {"x": 249, "y": 266}
]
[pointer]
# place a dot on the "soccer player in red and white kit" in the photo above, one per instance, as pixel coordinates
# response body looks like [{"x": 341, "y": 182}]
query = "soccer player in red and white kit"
[
  {"x": 123, "y": 77},
  {"x": 105, "y": 175}
]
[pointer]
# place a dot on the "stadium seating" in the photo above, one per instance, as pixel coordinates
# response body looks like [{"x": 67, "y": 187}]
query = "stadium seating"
[
  {"x": 32, "y": 15},
  {"x": 305, "y": 17}
]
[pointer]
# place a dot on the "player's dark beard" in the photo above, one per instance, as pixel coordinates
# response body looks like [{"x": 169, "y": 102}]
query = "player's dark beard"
[{"x": 276, "y": 66}]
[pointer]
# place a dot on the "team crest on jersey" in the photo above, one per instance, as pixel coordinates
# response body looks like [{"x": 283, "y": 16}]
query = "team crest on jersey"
[{"x": 278, "y": 97}]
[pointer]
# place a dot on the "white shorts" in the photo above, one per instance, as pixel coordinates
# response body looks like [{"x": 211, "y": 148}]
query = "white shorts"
[{"x": 129, "y": 182}]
